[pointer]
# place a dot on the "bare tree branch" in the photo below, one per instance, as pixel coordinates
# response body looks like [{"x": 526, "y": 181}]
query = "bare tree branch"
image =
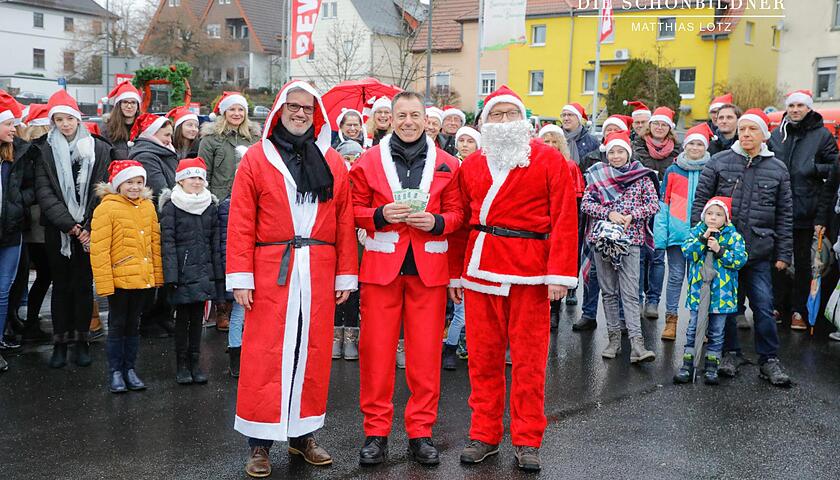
[{"x": 339, "y": 58}]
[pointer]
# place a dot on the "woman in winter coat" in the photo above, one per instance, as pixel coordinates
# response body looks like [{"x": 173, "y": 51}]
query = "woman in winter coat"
[
  {"x": 16, "y": 194},
  {"x": 671, "y": 225},
  {"x": 72, "y": 162},
  {"x": 350, "y": 127},
  {"x": 185, "y": 139},
  {"x": 657, "y": 148},
  {"x": 225, "y": 140},
  {"x": 125, "y": 259},
  {"x": 152, "y": 147},
  {"x": 192, "y": 261},
  {"x": 119, "y": 122}
]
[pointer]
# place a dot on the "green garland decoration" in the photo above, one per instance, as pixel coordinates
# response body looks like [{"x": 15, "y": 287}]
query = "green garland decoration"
[{"x": 175, "y": 74}]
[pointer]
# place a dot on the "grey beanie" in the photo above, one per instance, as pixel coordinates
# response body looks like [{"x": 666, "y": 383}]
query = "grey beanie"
[{"x": 349, "y": 147}]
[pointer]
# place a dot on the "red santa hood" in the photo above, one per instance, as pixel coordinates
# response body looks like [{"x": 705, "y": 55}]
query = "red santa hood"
[{"x": 323, "y": 134}]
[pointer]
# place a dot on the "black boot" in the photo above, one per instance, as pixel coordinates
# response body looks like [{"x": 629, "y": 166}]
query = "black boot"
[
  {"x": 195, "y": 369},
  {"x": 423, "y": 451},
  {"x": 554, "y": 316},
  {"x": 450, "y": 360},
  {"x": 686, "y": 373},
  {"x": 82, "y": 349},
  {"x": 183, "y": 375},
  {"x": 59, "y": 355},
  {"x": 374, "y": 451},
  {"x": 132, "y": 346},
  {"x": 710, "y": 375},
  {"x": 233, "y": 353}
]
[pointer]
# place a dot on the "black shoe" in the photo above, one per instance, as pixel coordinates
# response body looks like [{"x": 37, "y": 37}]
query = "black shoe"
[
  {"x": 450, "y": 360},
  {"x": 182, "y": 374},
  {"x": 95, "y": 334},
  {"x": 9, "y": 344},
  {"x": 81, "y": 351},
  {"x": 59, "y": 355},
  {"x": 686, "y": 373},
  {"x": 117, "y": 384},
  {"x": 554, "y": 318},
  {"x": 571, "y": 297},
  {"x": 585, "y": 324},
  {"x": 374, "y": 451},
  {"x": 423, "y": 451},
  {"x": 133, "y": 381},
  {"x": 772, "y": 371},
  {"x": 729, "y": 364},
  {"x": 4, "y": 365},
  {"x": 528, "y": 458},
  {"x": 198, "y": 375},
  {"x": 234, "y": 353},
  {"x": 710, "y": 374},
  {"x": 476, "y": 451}
]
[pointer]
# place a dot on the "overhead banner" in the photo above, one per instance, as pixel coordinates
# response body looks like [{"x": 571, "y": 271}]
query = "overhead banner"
[
  {"x": 304, "y": 16},
  {"x": 504, "y": 23}
]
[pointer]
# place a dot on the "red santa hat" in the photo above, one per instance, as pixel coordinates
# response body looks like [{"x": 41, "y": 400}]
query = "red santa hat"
[
  {"x": 800, "y": 96},
  {"x": 120, "y": 171},
  {"x": 323, "y": 132},
  {"x": 227, "y": 100},
  {"x": 623, "y": 122},
  {"x": 191, "y": 167},
  {"x": 639, "y": 109},
  {"x": 434, "y": 112},
  {"x": 19, "y": 118},
  {"x": 449, "y": 111},
  {"x": 380, "y": 103},
  {"x": 39, "y": 115},
  {"x": 181, "y": 114},
  {"x": 62, "y": 102},
  {"x": 663, "y": 114},
  {"x": 146, "y": 125},
  {"x": 618, "y": 139},
  {"x": 723, "y": 202},
  {"x": 720, "y": 101},
  {"x": 470, "y": 132},
  {"x": 9, "y": 108},
  {"x": 578, "y": 110},
  {"x": 700, "y": 132},
  {"x": 502, "y": 94},
  {"x": 551, "y": 128},
  {"x": 757, "y": 116},
  {"x": 124, "y": 91}
]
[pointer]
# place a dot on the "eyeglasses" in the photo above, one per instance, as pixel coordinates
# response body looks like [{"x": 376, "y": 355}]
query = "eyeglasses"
[
  {"x": 510, "y": 114},
  {"x": 295, "y": 107}
]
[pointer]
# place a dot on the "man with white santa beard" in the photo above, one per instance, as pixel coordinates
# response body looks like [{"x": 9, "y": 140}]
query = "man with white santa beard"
[{"x": 519, "y": 205}]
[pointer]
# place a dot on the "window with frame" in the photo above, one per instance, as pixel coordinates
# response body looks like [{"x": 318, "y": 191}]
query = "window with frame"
[
  {"x": 69, "y": 61},
  {"x": 836, "y": 24},
  {"x": 488, "y": 82},
  {"x": 38, "y": 58},
  {"x": 329, "y": 10},
  {"x": 174, "y": 3},
  {"x": 748, "y": 33},
  {"x": 685, "y": 78},
  {"x": 536, "y": 82},
  {"x": 442, "y": 82},
  {"x": 38, "y": 20},
  {"x": 214, "y": 30},
  {"x": 667, "y": 28},
  {"x": 241, "y": 73},
  {"x": 588, "y": 81},
  {"x": 538, "y": 33},
  {"x": 777, "y": 38},
  {"x": 224, "y": 2},
  {"x": 826, "y": 77},
  {"x": 96, "y": 27},
  {"x": 69, "y": 25}
]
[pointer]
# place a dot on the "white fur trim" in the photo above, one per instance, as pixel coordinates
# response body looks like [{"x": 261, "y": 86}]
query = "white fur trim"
[
  {"x": 501, "y": 99},
  {"x": 39, "y": 122},
  {"x": 614, "y": 121},
  {"x": 662, "y": 118},
  {"x": 125, "y": 96},
  {"x": 720, "y": 204},
  {"x": 457, "y": 112},
  {"x": 346, "y": 282},
  {"x": 384, "y": 242},
  {"x": 641, "y": 113},
  {"x": 551, "y": 128},
  {"x": 189, "y": 116},
  {"x": 127, "y": 174},
  {"x": 434, "y": 112},
  {"x": 436, "y": 246},
  {"x": 696, "y": 136},
  {"x": 153, "y": 128},
  {"x": 242, "y": 280},
  {"x": 799, "y": 97},
  {"x": 66, "y": 110},
  {"x": 620, "y": 143},
  {"x": 232, "y": 100},
  {"x": 391, "y": 170},
  {"x": 380, "y": 103},
  {"x": 455, "y": 283},
  {"x": 6, "y": 115},
  {"x": 24, "y": 115},
  {"x": 191, "y": 172},
  {"x": 471, "y": 132},
  {"x": 571, "y": 109},
  {"x": 570, "y": 282},
  {"x": 323, "y": 138},
  {"x": 502, "y": 290},
  {"x": 751, "y": 117},
  {"x": 715, "y": 106}
]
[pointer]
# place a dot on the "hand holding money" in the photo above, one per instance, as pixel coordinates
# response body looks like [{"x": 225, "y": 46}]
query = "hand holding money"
[
  {"x": 395, "y": 212},
  {"x": 424, "y": 221}
]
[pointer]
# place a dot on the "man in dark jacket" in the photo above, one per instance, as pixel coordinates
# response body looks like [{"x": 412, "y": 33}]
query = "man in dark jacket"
[
  {"x": 453, "y": 119},
  {"x": 759, "y": 186},
  {"x": 810, "y": 154},
  {"x": 727, "y": 128}
]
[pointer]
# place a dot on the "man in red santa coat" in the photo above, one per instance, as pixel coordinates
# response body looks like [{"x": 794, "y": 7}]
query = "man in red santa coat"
[
  {"x": 404, "y": 276},
  {"x": 519, "y": 203},
  {"x": 290, "y": 234}
]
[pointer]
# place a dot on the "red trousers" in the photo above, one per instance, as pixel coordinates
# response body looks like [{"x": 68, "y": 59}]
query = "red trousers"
[
  {"x": 522, "y": 321},
  {"x": 383, "y": 308}
]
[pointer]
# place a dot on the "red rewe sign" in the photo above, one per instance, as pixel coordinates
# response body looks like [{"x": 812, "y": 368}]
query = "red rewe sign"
[{"x": 304, "y": 16}]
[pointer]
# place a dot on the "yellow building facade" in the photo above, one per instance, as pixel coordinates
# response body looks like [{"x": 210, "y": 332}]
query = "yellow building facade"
[{"x": 561, "y": 52}]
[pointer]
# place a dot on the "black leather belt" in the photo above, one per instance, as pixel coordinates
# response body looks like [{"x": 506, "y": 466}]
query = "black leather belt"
[
  {"x": 297, "y": 242},
  {"x": 506, "y": 232}
]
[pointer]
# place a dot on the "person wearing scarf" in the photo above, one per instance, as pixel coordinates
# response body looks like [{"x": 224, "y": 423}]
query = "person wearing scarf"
[
  {"x": 580, "y": 142},
  {"x": 623, "y": 192},
  {"x": 351, "y": 127},
  {"x": 672, "y": 222},
  {"x": 291, "y": 258},
  {"x": 71, "y": 164}
]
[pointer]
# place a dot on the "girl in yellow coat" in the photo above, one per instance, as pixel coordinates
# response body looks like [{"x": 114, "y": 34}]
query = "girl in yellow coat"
[{"x": 125, "y": 258}]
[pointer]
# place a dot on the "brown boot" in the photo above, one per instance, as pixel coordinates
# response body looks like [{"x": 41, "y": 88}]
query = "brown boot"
[
  {"x": 670, "y": 330},
  {"x": 309, "y": 449},
  {"x": 223, "y": 316},
  {"x": 95, "y": 322},
  {"x": 258, "y": 465}
]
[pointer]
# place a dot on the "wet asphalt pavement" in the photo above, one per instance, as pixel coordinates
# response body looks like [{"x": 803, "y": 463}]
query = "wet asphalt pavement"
[{"x": 607, "y": 419}]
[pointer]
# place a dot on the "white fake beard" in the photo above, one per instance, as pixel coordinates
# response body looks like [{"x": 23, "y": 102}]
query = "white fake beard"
[{"x": 507, "y": 145}]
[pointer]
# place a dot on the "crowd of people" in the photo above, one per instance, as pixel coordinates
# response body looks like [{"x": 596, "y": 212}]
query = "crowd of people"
[{"x": 441, "y": 239}]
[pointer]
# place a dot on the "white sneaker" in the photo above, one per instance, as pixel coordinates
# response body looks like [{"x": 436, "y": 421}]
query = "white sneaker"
[{"x": 835, "y": 336}]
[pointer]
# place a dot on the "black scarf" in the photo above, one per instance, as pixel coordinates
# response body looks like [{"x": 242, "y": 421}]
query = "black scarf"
[
  {"x": 306, "y": 163},
  {"x": 409, "y": 152},
  {"x": 379, "y": 135}
]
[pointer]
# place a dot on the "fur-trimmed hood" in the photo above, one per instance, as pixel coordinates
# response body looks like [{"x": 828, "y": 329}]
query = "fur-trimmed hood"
[
  {"x": 103, "y": 189},
  {"x": 209, "y": 128},
  {"x": 166, "y": 195}
]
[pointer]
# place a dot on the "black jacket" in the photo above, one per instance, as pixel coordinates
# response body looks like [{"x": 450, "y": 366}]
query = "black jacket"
[
  {"x": 160, "y": 164},
  {"x": 121, "y": 148},
  {"x": 18, "y": 193},
  {"x": 448, "y": 144},
  {"x": 191, "y": 253},
  {"x": 640, "y": 153},
  {"x": 761, "y": 200},
  {"x": 719, "y": 143},
  {"x": 810, "y": 154},
  {"x": 591, "y": 158},
  {"x": 54, "y": 211},
  {"x": 224, "y": 214}
]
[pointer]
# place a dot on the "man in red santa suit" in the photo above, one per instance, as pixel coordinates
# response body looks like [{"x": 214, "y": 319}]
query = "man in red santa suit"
[
  {"x": 519, "y": 204},
  {"x": 290, "y": 234},
  {"x": 404, "y": 276}
]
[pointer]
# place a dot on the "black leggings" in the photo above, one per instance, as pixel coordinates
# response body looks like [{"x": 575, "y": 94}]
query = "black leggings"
[
  {"x": 188, "y": 320},
  {"x": 43, "y": 279},
  {"x": 347, "y": 314},
  {"x": 124, "y": 309},
  {"x": 72, "y": 297}
]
